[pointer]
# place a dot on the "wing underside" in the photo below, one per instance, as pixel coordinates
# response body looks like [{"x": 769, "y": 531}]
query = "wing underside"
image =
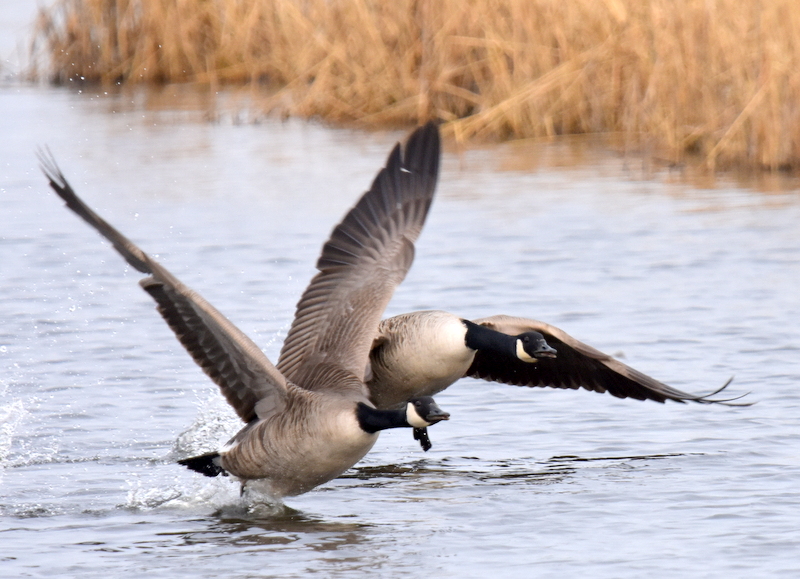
[{"x": 577, "y": 365}]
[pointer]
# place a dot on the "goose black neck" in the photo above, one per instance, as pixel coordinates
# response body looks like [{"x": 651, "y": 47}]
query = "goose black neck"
[
  {"x": 481, "y": 338},
  {"x": 373, "y": 420}
]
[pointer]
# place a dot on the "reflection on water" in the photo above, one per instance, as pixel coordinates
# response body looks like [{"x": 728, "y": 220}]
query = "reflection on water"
[
  {"x": 458, "y": 472},
  {"x": 470, "y": 470},
  {"x": 607, "y": 157},
  {"x": 279, "y": 528},
  {"x": 563, "y": 459}
]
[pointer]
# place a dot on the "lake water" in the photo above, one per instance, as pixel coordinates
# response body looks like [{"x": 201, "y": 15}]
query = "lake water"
[{"x": 97, "y": 398}]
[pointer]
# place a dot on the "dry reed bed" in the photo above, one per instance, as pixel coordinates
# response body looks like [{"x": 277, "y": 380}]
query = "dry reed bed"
[{"x": 718, "y": 78}]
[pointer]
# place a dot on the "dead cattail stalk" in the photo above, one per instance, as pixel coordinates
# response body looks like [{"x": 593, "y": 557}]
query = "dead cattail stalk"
[{"x": 719, "y": 79}]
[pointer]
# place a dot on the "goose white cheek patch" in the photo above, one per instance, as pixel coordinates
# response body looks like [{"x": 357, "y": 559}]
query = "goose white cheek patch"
[
  {"x": 413, "y": 417},
  {"x": 522, "y": 354}
]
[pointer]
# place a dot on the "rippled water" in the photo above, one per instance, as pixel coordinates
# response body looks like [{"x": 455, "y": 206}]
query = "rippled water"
[{"x": 97, "y": 397}]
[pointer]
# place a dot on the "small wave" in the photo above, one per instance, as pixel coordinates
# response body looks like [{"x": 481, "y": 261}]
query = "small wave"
[{"x": 31, "y": 510}]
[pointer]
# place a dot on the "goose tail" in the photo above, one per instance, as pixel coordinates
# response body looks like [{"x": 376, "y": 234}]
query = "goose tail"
[{"x": 206, "y": 464}]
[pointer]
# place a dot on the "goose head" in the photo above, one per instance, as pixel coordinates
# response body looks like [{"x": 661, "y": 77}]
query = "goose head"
[
  {"x": 419, "y": 412},
  {"x": 531, "y": 346},
  {"x": 423, "y": 411}
]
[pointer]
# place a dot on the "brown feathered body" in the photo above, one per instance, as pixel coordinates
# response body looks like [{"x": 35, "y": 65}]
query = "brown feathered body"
[{"x": 313, "y": 440}]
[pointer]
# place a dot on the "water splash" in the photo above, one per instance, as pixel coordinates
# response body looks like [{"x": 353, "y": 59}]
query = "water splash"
[
  {"x": 214, "y": 424},
  {"x": 12, "y": 415}
]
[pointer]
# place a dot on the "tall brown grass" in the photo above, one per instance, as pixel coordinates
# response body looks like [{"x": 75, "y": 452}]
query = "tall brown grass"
[{"x": 715, "y": 78}]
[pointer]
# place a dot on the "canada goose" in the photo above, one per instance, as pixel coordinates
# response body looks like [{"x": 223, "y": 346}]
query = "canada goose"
[
  {"x": 422, "y": 353},
  {"x": 309, "y": 419}
]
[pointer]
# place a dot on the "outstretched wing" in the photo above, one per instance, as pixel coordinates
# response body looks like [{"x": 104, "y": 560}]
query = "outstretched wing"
[
  {"x": 577, "y": 365},
  {"x": 248, "y": 380},
  {"x": 367, "y": 255}
]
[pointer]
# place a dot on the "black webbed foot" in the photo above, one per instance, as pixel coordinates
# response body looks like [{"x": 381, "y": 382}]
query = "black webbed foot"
[{"x": 421, "y": 434}]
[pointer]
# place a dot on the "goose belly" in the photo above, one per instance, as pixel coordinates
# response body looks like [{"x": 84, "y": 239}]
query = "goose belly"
[
  {"x": 423, "y": 354},
  {"x": 296, "y": 456}
]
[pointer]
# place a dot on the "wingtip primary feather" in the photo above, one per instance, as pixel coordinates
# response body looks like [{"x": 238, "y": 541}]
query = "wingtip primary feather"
[
  {"x": 707, "y": 398},
  {"x": 128, "y": 250}
]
